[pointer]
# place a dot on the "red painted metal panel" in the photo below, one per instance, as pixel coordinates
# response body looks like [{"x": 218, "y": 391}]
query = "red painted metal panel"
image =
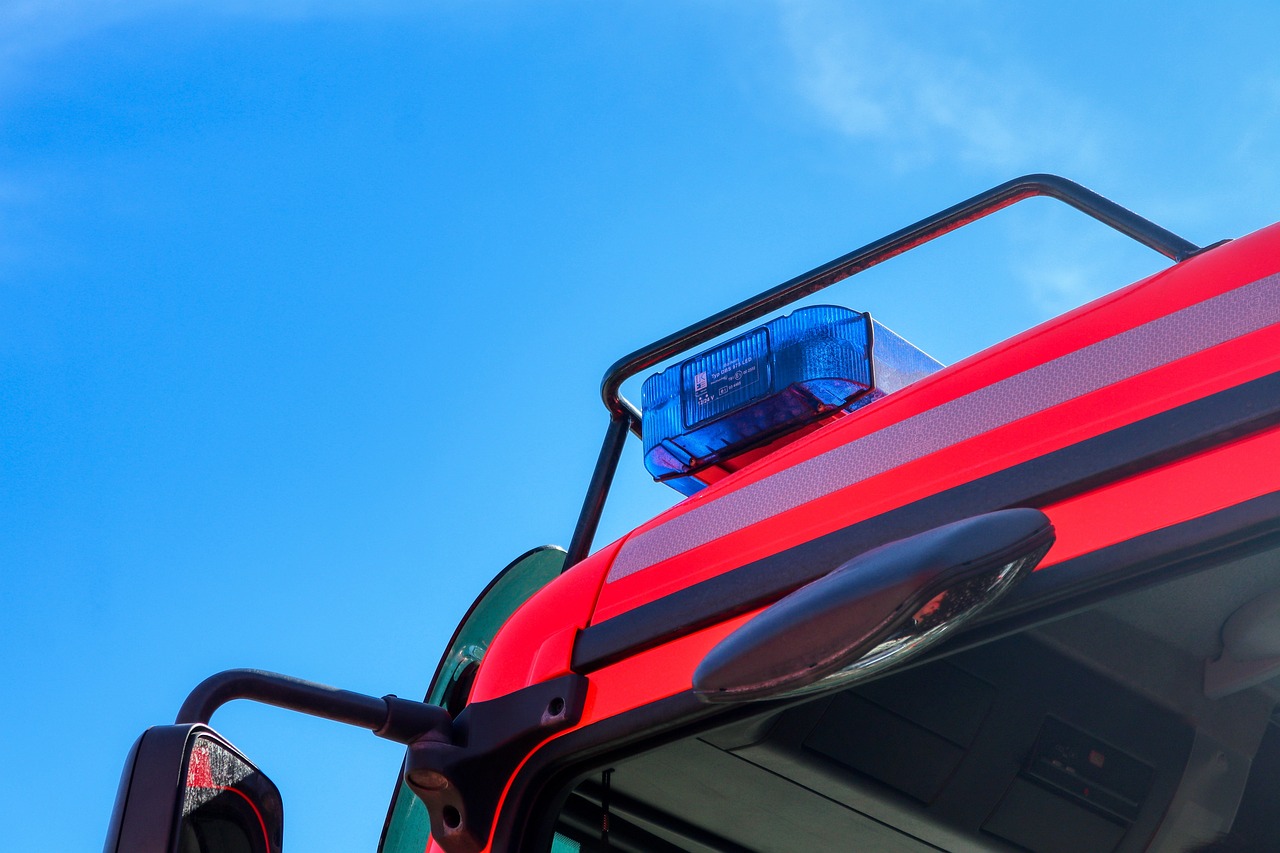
[
  {"x": 1169, "y": 384},
  {"x": 536, "y": 641},
  {"x": 530, "y": 646},
  {"x": 564, "y": 604}
]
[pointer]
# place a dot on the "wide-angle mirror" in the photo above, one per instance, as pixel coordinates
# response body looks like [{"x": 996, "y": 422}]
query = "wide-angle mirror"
[{"x": 186, "y": 790}]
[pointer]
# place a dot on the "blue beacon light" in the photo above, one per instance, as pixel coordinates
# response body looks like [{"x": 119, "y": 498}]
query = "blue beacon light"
[{"x": 765, "y": 383}]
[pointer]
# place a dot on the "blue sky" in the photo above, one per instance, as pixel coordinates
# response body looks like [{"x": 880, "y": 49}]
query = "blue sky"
[{"x": 304, "y": 305}]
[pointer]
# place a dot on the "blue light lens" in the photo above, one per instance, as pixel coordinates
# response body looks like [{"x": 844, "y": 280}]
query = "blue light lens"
[{"x": 771, "y": 380}]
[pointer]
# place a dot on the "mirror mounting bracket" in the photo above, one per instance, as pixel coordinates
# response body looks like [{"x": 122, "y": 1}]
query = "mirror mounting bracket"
[
  {"x": 459, "y": 768},
  {"x": 462, "y": 780}
]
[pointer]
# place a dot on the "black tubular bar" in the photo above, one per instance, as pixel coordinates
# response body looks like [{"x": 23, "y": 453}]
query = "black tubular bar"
[
  {"x": 615, "y": 438},
  {"x": 1028, "y": 186},
  {"x": 623, "y": 414},
  {"x": 389, "y": 717}
]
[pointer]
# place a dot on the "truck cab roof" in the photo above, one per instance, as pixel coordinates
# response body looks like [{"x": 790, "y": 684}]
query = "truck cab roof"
[{"x": 1097, "y": 706}]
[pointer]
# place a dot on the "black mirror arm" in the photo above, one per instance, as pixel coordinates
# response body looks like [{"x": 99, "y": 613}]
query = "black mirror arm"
[
  {"x": 390, "y": 717},
  {"x": 459, "y": 771}
]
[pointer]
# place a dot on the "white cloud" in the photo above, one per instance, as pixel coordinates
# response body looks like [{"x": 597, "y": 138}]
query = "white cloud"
[
  {"x": 947, "y": 85},
  {"x": 931, "y": 103},
  {"x": 1062, "y": 260},
  {"x": 1055, "y": 289},
  {"x": 1250, "y": 149}
]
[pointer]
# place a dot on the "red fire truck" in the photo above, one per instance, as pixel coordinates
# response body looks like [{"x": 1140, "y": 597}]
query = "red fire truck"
[{"x": 1026, "y": 602}]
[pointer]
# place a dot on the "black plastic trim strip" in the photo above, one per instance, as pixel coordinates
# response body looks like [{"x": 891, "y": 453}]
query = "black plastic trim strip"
[
  {"x": 1078, "y": 468},
  {"x": 543, "y": 783},
  {"x": 1081, "y": 582}
]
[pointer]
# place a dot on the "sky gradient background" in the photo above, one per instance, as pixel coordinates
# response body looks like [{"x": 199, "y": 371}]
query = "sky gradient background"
[{"x": 304, "y": 305}]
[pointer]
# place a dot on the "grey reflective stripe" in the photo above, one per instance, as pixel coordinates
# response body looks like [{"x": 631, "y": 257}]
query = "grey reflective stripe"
[{"x": 1182, "y": 333}]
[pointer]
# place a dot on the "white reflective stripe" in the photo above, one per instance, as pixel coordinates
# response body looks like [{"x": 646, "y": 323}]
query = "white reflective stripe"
[{"x": 1161, "y": 341}]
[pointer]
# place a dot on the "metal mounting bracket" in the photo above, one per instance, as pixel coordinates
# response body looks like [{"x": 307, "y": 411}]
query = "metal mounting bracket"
[{"x": 461, "y": 780}]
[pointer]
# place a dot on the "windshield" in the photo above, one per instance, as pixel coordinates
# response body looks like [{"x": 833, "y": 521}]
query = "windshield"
[{"x": 1089, "y": 733}]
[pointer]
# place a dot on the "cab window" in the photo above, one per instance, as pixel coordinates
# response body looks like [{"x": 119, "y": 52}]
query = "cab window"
[{"x": 1092, "y": 732}]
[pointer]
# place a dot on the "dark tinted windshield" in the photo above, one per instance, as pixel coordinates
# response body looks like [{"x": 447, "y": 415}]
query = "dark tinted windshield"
[{"x": 1089, "y": 733}]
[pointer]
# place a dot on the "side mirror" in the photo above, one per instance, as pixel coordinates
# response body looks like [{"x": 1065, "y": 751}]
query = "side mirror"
[
  {"x": 186, "y": 790},
  {"x": 876, "y": 611}
]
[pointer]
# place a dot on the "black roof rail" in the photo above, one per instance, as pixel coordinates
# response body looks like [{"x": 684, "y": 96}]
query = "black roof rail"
[{"x": 625, "y": 417}]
